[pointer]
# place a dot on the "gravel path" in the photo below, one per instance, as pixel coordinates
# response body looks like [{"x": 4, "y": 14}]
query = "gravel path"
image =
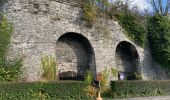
[{"x": 146, "y": 98}]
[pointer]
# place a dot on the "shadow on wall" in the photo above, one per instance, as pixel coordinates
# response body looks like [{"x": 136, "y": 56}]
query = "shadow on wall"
[
  {"x": 127, "y": 59},
  {"x": 151, "y": 69},
  {"x": 75, "y": 56}
]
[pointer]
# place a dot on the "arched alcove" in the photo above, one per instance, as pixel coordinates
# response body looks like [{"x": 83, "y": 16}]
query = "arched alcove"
[
  {"x": 75, "y": 56},
  {"x": 127, "y": 59}
]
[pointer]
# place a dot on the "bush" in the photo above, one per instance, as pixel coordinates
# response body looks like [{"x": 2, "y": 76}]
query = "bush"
[
  {"x": 121, "y": 89},
  {"x": 68, "y": 90},
  {"x": 90, "y": 89},
  {"x": 11, "y": 71},
  {"x": 88, "y": 78},
  {"x": 159, "y": 39}
]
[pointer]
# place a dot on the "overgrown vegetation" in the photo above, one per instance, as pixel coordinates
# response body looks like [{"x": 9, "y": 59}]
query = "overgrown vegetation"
[
  {"x": 49, "y": 67},
  {"x": 88, "y": 78},
  {"x": 159, "y": 39},
  {"x": 122, "y": 89},
  {"x": 103, "y": 11},
  {"x": 90, "y": 89},
  {"x": 68, "y": 90},
  {"x": 114, "y": 72},
  {"x": 5, "y": 36},
  {"x": 132, "y": 27},
  {"x": 89, "y": 12},
  {"x": 9, "y": 70}
]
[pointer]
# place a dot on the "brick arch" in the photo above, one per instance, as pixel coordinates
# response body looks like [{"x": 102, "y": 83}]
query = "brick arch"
[
  {"x": 127, "y": 57},
  {"x": 75, "y": 54}
]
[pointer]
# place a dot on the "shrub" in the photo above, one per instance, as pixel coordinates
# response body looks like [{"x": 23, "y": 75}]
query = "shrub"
[
  {"x": 139, "y": 88},
  {"x": 90, "y": 90},
  {"x": 11, "y": 71},
  {"x": 49, "y": 67},
  {"x": 68, "y": 90},
  {"x": 159, "y": 39},
  {"x": 88, "y": 78}
]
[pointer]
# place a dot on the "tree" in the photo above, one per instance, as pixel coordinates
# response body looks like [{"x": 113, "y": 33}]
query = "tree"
[
  {"x": 159, "y": 39},
  {"x": 160, "y": 7}
]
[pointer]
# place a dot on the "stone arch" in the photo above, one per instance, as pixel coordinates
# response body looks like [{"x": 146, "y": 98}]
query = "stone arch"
[
  {"x": 127, "y": 58},
  {"x": 75, "y": 54}
]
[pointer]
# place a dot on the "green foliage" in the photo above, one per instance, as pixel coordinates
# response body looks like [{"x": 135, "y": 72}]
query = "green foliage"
[
  {"x": 68, "y": 90},
  {"x": 89, "y": 13},
  {"x": 11, "y": 72},
  {"x": 49, "y": 67},
  {"x": 159, "y": 39},
  {"x": 114, "y": 72},
  {"x": 130, "y": 20},
  {"x": 89, "y": 89},
  {"x": 133, "y": 29},
  {"x": 88, "y": 78},
  {"x": 5, "y": 36},
  {"x": 122, "y": 89}
]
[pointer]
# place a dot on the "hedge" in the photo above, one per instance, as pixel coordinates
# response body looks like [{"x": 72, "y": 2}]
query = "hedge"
[
  {"x": 43, "y": 91},
  {"x": 122, "y": 89}
]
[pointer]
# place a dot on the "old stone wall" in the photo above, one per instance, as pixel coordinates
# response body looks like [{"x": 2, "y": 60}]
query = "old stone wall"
[{"x": 38, "y": 26}]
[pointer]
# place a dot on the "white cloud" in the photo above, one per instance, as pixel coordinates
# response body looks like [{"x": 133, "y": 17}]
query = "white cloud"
[{"x": 141, "y": 4}]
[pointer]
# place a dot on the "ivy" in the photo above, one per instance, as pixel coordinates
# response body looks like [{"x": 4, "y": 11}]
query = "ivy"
[
  {"x": 133, "y": 29},
  {"x": 159, "y": 39}
]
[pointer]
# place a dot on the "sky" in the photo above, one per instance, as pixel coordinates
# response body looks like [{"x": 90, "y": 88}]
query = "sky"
[{"x": 142, "y": 4}]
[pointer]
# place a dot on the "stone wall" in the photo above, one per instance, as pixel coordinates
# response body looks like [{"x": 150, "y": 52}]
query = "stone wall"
[{"x": 38, "y": 24}]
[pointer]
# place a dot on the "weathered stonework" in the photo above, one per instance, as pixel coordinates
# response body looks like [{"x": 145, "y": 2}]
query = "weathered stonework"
[{"x": 39, "y": 24}]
